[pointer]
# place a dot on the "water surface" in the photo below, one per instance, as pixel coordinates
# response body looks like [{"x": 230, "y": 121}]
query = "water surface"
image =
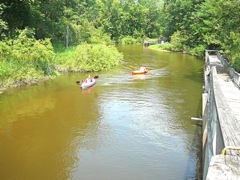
[{"x": 125, "y": 127}]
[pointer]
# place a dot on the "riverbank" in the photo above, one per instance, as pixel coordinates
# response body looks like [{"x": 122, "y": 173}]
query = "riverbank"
[
  {"x": 24, "y": 83},
  {"x": 166, "y": 47},
  {"x": 26, "y": 64}
]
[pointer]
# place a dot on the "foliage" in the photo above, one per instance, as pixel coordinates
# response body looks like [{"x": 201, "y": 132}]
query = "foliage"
[
  {"x": 195, "y": 25},
  {"x": 216, "y": 25},
  {"x": 234, "y": 49},
  {"x": 198, "y": 51},
  {"x": 87, "y": 57},
  {"x": 58, "y": 20},
  {"x": 236, "y": 64},
  {"x": 128, "y": 40},
  {"x": 177, "y": 15},
  {"x": 25, "y": 58},
  {"x": 15, "y": 14},
  {"x": 178, "y": 40},
  {"x": 29, "y": 50},
  {"x": 3, "y": 25},
  {"x": 165, "y": 46},
  {"x": 191, "y": 25},
  {"x": 89, "y": 34}
]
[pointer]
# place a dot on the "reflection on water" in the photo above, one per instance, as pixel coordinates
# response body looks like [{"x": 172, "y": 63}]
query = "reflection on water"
[{"x": 124, "y": 127}]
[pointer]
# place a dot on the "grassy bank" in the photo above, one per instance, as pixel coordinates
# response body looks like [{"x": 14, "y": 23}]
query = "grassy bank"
[{"x": 162, "y": 47}]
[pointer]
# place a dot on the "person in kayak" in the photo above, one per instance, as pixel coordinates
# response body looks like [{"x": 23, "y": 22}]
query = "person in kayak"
[
  {"x": 142, "y": 68},
  {"x": 89, "y": 78}
]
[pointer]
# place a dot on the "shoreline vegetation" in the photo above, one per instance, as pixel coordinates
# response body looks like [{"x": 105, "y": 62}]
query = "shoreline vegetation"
[
  {"x": 188, "y": 26},
  {"x": 26, "y": 61},
  {"x": 31, "y": 33}
]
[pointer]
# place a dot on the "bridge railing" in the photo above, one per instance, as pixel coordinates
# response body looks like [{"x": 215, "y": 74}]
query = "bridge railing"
[
  {"x": 235, "y": 76},
  {"x": 219, "y": 123},
  {"x": 212, "y": 135}
]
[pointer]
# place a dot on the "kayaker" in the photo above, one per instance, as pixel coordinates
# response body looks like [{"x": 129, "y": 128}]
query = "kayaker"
[
  {"x": 142, "y": 68},
  {"x": 89, "y": 78}
]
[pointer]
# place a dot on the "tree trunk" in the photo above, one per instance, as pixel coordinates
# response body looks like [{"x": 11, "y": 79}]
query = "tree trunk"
[{"x": 67, "y": 36}]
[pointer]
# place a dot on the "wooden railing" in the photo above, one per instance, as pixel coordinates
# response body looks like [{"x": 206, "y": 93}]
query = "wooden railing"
[
  {"x": 232, "y": 73},
  {"x": 219, "y": 130}
]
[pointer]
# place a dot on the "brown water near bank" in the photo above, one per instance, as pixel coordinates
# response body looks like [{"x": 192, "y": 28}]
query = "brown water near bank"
[{"x": 125, "y": 127}]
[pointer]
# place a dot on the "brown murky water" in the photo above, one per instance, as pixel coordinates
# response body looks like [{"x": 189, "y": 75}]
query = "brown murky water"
[{"x": 125, "y": 127}]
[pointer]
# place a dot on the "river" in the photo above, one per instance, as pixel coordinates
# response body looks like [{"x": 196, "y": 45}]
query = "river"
[{"x": 131, "y": 127}]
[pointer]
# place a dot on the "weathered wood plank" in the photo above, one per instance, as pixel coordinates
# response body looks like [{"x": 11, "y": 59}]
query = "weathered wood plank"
[
  {"x": 227, "y": 120},
  {"x": 224, "y": 167},
  {"x": 224, "y": 121}
]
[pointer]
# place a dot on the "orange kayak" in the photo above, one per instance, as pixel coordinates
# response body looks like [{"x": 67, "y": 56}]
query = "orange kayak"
[{"x": 139, "y": 72}]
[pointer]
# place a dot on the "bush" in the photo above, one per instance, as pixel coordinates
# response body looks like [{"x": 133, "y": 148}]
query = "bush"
[
  {"x": 178, "y": 40},
  {"x": 27, "y": 50},
  {"x": 236, "y": 64},
  {"x": 25, "y": 58},
  {"x": 87, "y": 33},
  {"x": 165, "y": 46},
  {"x": 87, "y": 57},
  {"x": 128, "y": 40},
  {"x": 198, "y": 51}
]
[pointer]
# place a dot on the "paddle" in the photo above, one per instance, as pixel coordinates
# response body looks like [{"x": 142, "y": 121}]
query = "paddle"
[{"x": 80, "y": 82}]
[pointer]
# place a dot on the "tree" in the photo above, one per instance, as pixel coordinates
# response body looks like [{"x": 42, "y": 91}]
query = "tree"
[
  {"x": 3, "y": 24},
  {"x": 16, "y": 14}
]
